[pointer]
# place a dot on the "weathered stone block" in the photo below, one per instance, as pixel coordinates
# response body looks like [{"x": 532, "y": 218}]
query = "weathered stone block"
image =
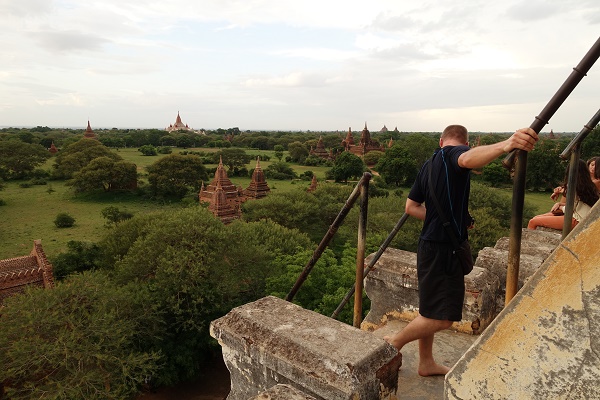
[
  {"x": 272, "y": 341},
  {"x": 283, "y": 392},
  {"x": 392, "y": 287},
  {"x": 479, "y": 308},
  {"x": 496, "y": 262}
]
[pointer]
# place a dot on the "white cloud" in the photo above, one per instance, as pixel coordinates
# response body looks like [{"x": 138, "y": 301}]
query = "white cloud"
[{"x": 294, "y": 65}]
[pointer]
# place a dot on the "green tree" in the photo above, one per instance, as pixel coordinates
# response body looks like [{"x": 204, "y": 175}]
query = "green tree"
[
  {"x": 79, "y": 154},
  {"x": 278, "y": 151},
  {"x": 234, "y": 159},
  {"x": 346, "y": 166},
  {"x": 175, "y": 175},
  {"x": 80, "y": 340},
  {"x": 64, "y": 220},
  {"x": 113, "y": 215},
  {"x": 373, "y": 157},
  {"x": 397, "y": 167},
  {"x": 545, "y": 169},
  {"x": 311, "y": 213},
  {"x": 106, "y": 174},
  {"x": 198, "y": 269},
  {"x": 148, "y": 150},
  {"x": 495, "y": 174},
  {"x": 298, "y": 152},
  {"x": 280, "y": 171},
  {"x": 79, "y": 257},
  {"x": 18, "y": 159}
]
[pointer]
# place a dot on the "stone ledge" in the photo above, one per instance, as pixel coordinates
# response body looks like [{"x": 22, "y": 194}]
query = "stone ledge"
[
  {"x": 272, "y": 341},
  {"x": 392, "y": 287}
]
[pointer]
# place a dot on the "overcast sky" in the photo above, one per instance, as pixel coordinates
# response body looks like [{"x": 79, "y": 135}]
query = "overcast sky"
[{"x": 295, "y": 65}]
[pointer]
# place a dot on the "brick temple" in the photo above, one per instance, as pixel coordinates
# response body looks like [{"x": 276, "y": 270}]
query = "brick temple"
[
  {"x": 364, "y": 145},
  {"x": 225, "y": 198},
  {"x": 89, "y": 133},
  {"x": 320, "y": 150},
  {"x": 18, "y": 273}
]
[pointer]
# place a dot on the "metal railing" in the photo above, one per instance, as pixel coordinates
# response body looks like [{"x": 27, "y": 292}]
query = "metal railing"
[
  {"x": 360, "y": 190},
  {"x": 573, "y": 150},
  {"x": 518, "y": 160}
]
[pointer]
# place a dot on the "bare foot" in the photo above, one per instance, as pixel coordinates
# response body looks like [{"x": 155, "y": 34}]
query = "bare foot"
[
  {"x": 431, "y": 369},
  {"x": 390, "y": 340}
]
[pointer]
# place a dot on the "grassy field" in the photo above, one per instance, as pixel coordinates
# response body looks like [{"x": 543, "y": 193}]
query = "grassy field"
[{"x": 29, "y": 213}]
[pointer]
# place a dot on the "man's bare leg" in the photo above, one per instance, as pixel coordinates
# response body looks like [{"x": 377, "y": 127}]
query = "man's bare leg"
[
  {"x": 422, "y": 329},
  {"x": 427, "y": 365}
]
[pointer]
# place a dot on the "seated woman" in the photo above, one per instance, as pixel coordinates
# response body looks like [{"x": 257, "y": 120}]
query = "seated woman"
[
  {"x": 586, "y": 196},
  {"x": 594, "y": 169}
]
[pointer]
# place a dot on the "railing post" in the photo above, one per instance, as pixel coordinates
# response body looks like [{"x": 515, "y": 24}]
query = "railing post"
[
  {"x": 512, "y": 273},
  {"x": 325, "y": 241},
  {"x": 372, "y": 263},
  {"x": 574, "y": 150},
  {"x": 516, "y": 226},
  {"x": 360, "y": 248}
]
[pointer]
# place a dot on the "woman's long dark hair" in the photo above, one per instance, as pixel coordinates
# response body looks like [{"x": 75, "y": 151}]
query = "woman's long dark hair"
[
  {"x": 585, "y": 189},
  {"x": 597, "y": 166}
]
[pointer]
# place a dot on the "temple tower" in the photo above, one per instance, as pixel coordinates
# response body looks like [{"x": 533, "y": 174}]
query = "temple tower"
[
  {"x": 258, "y": 185},
  {"x": 89, "y": 133},
  {"x": 223, "y": 209}
]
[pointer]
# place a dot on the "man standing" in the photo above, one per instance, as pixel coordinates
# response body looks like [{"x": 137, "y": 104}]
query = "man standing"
[{"x": 441, "y": 281}]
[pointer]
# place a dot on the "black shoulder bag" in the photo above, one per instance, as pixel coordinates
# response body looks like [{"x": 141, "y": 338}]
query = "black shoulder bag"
[{"x": 462, "y": 251}]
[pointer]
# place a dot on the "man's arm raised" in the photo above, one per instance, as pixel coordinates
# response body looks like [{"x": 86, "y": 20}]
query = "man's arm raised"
[{"x": 477, "y": 157}]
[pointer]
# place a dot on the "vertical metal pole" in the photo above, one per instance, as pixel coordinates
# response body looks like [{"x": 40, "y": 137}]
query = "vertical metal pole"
[
  {"x": 360, "y": 249},
  {"x": 372, "y": 263},
  {"x": 325, "y": 241},
  {"x": 571, "y": 190},
  {"x": 516, "y": 227}
]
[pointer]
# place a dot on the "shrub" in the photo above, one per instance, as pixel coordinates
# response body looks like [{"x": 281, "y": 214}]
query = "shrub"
[
  {"x": 2, "y": 202},
  {"x": 25, "y": 185},
  {"x": 64, "y": 220}
]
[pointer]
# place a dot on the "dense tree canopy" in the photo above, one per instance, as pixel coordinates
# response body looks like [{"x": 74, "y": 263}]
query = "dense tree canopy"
[
  {"x": 175, "y": 175},
  {"x": 397, "y": 167},
  {"x": 17, "y": 159},
  {"x": 82, "y": 340},
  {"x": 347, "y": 166},
  {"x": 198, "y": 269},
  {"x": 104, "y": 173},
  {"x": 79, "y": 154}
]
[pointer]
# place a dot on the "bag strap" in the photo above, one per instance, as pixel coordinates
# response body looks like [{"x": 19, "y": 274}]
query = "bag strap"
[{"x": 445, "y": 222}]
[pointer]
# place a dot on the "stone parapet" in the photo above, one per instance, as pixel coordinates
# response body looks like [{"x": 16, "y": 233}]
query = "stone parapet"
[
  {"x": 392, "y": 287},
  {"x": 272, "y": 341},
  {"x": 544, "y": 343}
]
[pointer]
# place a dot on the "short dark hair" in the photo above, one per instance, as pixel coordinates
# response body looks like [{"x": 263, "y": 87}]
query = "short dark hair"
[{"x": 457, "y": 132}]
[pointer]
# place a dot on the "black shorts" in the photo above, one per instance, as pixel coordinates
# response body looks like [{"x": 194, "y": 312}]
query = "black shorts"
[{"x": 441, "y": 282}]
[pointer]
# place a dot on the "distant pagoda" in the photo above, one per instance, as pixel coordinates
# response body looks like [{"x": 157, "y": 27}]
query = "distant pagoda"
[
  {"x": 53, "y": 149},
  {"x": 320, "y": 150},
  {"x": 313, "y": 184},
  {"x": 178, "y": 126},
  {"x": 258, "y": 187},
  {"x": 223, "y": 196},
  {"x": 365, "y": 144},
  {"x": 221, "y": 207},
  {"x": 89, "y": 133}
]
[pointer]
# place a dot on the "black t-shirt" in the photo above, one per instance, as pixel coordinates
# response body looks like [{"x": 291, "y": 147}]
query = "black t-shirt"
[{"x": 452, "y": 186}]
